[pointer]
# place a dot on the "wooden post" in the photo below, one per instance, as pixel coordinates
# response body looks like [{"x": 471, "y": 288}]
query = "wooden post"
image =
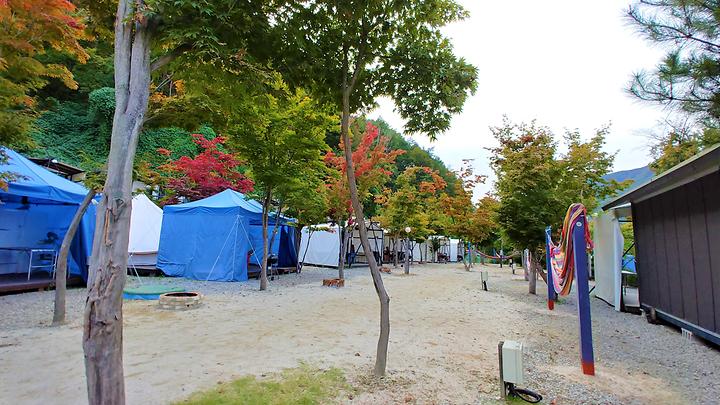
[
  {"x": 587, "y": 360},
  {"x": 552, "y": 295}
]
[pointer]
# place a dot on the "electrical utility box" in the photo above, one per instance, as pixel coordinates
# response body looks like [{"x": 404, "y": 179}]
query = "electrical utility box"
[{"x": 512, "y": 362}]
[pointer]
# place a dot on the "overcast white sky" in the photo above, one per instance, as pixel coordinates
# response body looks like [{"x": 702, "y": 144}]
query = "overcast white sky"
[{"x": 565, "y": 63}]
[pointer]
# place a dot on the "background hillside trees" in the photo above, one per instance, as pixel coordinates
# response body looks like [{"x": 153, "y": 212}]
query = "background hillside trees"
[
  {"x": 213, "y": 170},
  {"x": 29, "y": 29}
]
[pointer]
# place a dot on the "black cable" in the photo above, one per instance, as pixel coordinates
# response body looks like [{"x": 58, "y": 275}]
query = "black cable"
[{"x": 524, "y": 394}]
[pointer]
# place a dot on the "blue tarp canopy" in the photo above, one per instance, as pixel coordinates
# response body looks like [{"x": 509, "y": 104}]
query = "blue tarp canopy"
[
  {"x": 215, "y": 238},
  {"x": 36, "y": 211}
]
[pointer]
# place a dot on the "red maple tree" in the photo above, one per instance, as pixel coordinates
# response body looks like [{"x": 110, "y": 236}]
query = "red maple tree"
[
  {"x": 210, "y": 172},
  {"x": 372, "y": 161}
]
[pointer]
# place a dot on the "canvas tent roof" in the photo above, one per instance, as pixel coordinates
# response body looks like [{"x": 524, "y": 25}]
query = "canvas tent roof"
[
  {"x": 37, "y": 183},
  {"x": 35, "y": 213},
  {"x": 222, "y": 201},
  {"x": 215, "y": 238},
  {"x": 145, "y": 224}
]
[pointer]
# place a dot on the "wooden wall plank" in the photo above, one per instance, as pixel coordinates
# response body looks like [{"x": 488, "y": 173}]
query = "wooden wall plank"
[
  {"x": 701, "y": 255},
  {"x": 711, "y": 192},
  {"x": 672, "y": 255},
  {"x": 687, "y": 268},
  {"x": 658, "y": 223},
  {"x": 645, "y": 250}
]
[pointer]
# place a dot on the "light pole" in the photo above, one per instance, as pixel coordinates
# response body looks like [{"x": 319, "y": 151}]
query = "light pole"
[{"x": 407, "y": 249}]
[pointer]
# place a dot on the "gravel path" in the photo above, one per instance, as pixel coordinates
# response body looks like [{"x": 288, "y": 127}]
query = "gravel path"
[
  {"x": 635, "y": 359},
  {"x": 32, "y": 309},
  {"x": 443, "y": 342}
]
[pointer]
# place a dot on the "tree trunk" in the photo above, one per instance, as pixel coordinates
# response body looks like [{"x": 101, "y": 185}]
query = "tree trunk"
[
  {"x": 472, "y": 255},
  {"x": 343, "y": 250},
  {"x": 276, "y": 227},
  {"x": 383, "y": 297},
  {"x": 307, "y": 247},
  {"x": 61, "y": 264},
  {"x": 407, "y": 256},
  {"x": 263, "y": 265},
  {"x": 395, "y": 252},
  {"x": 103, "y": 319},
  {"x": 532, "y": 276}
]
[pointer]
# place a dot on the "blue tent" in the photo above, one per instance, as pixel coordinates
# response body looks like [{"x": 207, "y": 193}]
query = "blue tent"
[
  {"x": 215, "y": 238},
  {"x": 36, "y": 211}
]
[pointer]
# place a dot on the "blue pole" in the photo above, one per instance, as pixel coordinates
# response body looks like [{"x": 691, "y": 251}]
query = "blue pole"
[
  {"x": 587, "y": 359},
  {"x": 551, "y": 295}
]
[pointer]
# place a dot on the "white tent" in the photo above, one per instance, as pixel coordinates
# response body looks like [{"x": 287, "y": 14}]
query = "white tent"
[
  {"x": 608, "y": 249},
  {"x": 145, "y": 223},
  {"x": 322, "y": 247},
  {"x": 375, "y": 236},
  {"x": 454, "y": 249}
]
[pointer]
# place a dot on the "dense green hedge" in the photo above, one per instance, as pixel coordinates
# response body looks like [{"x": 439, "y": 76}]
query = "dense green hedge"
[{"x": 78, "y": 133}]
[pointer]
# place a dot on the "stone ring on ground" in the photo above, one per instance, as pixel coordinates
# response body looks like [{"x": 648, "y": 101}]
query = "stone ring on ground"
[{"x": 180, "y": 300}]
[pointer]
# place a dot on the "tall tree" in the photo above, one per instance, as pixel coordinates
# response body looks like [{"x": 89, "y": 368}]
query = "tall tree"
[
  {"x": 372, "y": 162},
  {"x": 28, "y": 29},
  {"x": 688, "y": 77},
  {"x": 284, "y": 151},
  {"x": 535, "y": 184},
  {"x": 354, "y": 51},
  {"x": 681, "y": 144},
  {"x": 459, "y": 209},
  {"x": 147, "y": 36},
  {"x": 412, "y": 204}
]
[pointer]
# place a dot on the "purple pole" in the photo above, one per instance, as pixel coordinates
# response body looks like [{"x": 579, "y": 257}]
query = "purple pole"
[
  {"x": 551, "y": 295},
  {"x": 581, "y": 276}
]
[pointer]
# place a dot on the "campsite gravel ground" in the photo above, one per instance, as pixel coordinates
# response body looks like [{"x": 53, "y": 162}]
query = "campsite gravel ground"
[{"x": 443, "y": 342}]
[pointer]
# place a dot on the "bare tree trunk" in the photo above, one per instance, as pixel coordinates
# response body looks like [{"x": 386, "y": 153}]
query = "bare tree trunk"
[
  {"x": 532, "y": 275},
  {"x": 276, "y": 227},
  {"x": 343, "y": 250},
  {"x": 61, "y": 264},
  {"x": 263, "y": 265},
  {"x": 307, "y": 247},
  {"x": 383, "y": 297},
  {"x": 472, "y": 255},
  {"x": 407, "y": 256},
  {"x": 103, "y": 318},
  {"x": 395, "y": 252}
]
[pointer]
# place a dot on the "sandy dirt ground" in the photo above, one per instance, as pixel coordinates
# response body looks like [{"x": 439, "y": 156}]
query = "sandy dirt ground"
[{"x": 443, "y": 344}]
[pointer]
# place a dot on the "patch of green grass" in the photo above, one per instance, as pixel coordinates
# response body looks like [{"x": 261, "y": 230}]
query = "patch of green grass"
[{"x": 302, "y": 385}]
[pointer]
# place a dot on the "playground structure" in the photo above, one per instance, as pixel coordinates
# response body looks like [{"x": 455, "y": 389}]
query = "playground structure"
[{"x": 568, "y": 261}]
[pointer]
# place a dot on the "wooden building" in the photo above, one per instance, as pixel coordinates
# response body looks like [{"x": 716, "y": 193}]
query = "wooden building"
[
  {"x": 63, "y": 170},
  {"x": 676, "y": 222}
]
